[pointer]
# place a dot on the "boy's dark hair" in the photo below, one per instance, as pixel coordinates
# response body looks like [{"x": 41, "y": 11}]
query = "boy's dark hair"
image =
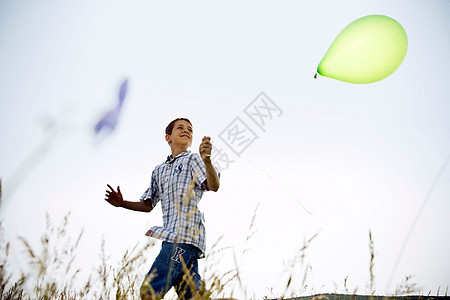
[{"x": 169, "y": 127}]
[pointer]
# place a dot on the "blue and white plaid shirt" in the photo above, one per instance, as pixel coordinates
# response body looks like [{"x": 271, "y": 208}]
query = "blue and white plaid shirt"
[{"x": 182, "y": 220}]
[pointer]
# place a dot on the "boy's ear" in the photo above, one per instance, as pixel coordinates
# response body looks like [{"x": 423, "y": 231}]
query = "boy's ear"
[{"x": 168, "y": 139}]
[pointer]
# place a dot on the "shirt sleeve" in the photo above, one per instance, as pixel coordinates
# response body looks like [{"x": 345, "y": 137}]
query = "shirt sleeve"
[
  {"x": 151, "y": 194},
  {"x": 198, "y": 167}
]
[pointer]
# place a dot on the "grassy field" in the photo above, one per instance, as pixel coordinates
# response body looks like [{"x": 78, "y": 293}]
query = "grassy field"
[
  {"x": 52, "y": 274},
  {"x": 367, "y": 297}
]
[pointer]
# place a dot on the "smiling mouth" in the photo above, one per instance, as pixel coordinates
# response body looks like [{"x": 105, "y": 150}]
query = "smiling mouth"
[{"x": 185, "y": 136}]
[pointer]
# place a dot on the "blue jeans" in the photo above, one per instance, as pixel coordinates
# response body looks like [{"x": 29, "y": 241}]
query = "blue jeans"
[{"x": 167, "y": 270}]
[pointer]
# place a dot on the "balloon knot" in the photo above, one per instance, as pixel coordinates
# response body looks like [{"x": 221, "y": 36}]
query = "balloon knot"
[{"x": 315, "y": 76}]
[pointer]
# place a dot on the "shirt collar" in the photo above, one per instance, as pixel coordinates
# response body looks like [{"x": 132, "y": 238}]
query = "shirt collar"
[{"x": 171, "y": 160}]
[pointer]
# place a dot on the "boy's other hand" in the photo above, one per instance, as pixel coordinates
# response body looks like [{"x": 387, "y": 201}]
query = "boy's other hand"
[
  {"x": 114, "y": 198},
  {"x": 205, "y": 148}
]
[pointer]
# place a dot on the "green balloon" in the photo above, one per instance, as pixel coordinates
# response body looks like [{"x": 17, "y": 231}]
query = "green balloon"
[{"x": 367, "y": 50}]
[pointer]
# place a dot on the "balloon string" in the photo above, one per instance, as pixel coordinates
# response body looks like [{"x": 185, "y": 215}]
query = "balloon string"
[
  {"x": 416, "y": 219},
  {"x": 281, "y": 185}
]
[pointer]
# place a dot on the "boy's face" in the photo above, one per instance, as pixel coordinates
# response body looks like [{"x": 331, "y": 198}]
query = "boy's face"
[{"x": 181, "y": 134}]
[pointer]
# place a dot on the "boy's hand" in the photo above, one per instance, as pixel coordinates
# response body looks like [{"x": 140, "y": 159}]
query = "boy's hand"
[
  {"x": 114, "y": 198},
  {"x": 205, "y": 148},
  {"x": 212, "y": 179}
]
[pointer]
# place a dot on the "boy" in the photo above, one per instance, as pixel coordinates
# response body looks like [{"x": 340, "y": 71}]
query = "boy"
[{"x": 179, "y": 184}]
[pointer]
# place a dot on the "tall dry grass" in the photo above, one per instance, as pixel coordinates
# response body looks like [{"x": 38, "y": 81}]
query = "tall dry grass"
[{"x": 51, "y": 272}]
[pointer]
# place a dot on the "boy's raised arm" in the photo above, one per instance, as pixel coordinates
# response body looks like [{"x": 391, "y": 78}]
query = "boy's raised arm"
[
  {"x": 115, "y": 198},
  {"x": 212, "y": 179}
]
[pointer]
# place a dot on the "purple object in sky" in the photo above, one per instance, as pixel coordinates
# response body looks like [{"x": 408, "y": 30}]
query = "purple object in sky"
[{"x": 111, "y": 118}]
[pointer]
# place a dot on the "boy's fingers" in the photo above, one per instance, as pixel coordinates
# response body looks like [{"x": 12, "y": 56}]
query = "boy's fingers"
[
  {"x": 118, "y": 189},
  {"x": 205, "y": 144},
  {"x": 112, "y": 190}
]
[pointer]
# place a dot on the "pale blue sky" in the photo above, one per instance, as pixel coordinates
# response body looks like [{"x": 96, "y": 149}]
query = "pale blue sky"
[{"x": 358, "y": 157}]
